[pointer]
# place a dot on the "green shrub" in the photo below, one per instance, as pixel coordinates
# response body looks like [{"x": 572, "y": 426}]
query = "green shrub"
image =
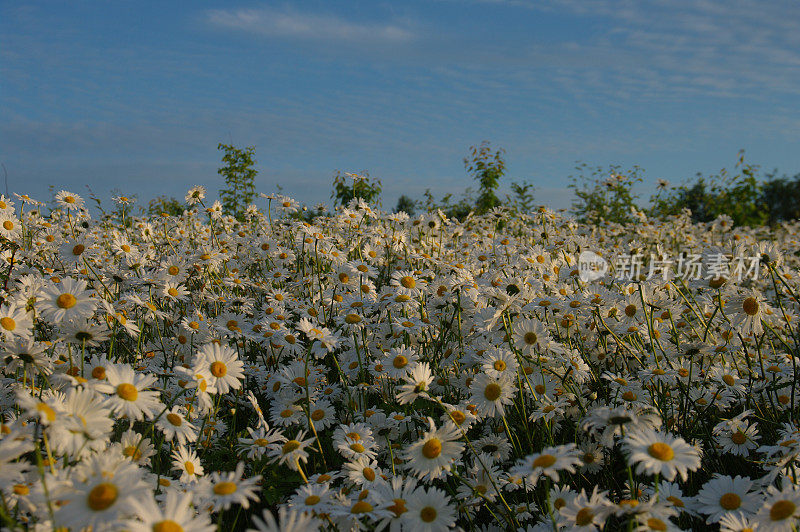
[
  {"x": 605, "y": 194},
  {"x": 239, "y": 177}
]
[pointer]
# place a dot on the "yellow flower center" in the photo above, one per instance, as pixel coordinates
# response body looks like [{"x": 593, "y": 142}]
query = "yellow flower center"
[
  {"x": 172, "y": 291},
  {"x": 175, "y": 419},
  {"x": 656, "y": 524},
  {"x": 66, "y": 301},
  {"x": 8, "y": 323},
  {"x": 361, "y": 507},
  {"x": 530, "y": 338},
  {"x": 102, "y": 496},
  {"x": 428, "y": 514},
  {"x": 782, "y": 510},
  {"x": 398, "y": 508},
  {"x": 492, "y": 391},
  {"x": 167, "y": 526},
  {"x": 629, "y": 396},
  {"x": 127, "y": 391},
  {"x": 499, "y": 365},
  {"x": 189, "y": 466},
  {"x": 78, "y": 249},
  {"x": 49, "y": 413},
  {"x": 458, "y": 417},
  {"x": 584, "y": 517},
  {"x": 408, "y": 282},
  {"x": 99, "y": 373},
  {"x": 750, "y": 306},
  {"x": 132, "y": 452},
  {"x": 8, "y": 225},
  {"x": 661, "y": 451},
  {"x": 400, "y": 362},
  {"x": 224, "y": 488},
  {"x": 311, "y": 500},
  {"x": 432, "y": 448},
  {"x": 738, "y": 437},
  {"x": 218, "y": 369},
  {"x": 316, "y": 415},
  {"x": 545, "y": 460},
  {"x": 173, "y": 270},
  {"x": 730, "y": 501},
  {"x": 289, "y": 446},
  {"x": 357, "y": 447},
  {"x": 676, "y": 501},
  {"x": 368, "y": 473}
]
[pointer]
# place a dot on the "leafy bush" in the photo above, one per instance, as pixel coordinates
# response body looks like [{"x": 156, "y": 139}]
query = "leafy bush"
[
  {"x": 781, "y": 195},
  {"x": 487, "y": 167},
  {"x": 240, "y": 178},
  {"x": 348, "y": 186},
  {"x": 739, "y": 196},
  {"x": 605, "y": 195},
  {"x": 165, "y": 204},
  {"x": 405, "y": 204},
  {"x": 522, "y": 199}
]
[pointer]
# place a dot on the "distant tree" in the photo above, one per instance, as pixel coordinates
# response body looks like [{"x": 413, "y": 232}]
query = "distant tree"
[
  {"x": 458, "y": 210},
  {"x": 487, "y": 167},
  {"x": 604, "y": 194},
  {"x": 348, "y": 186},
  {"x": 164, "y": 204},
  {"x": 239, "y": 177},
  {"x": 741, "y": 195},
  {"x": 405, "y": 204},
  {"x": 781, "y": 197},
  {"x": 522, "y": 200}
]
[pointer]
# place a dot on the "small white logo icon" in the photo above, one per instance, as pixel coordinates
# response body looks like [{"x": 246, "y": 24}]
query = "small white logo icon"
[{"x": 591, "y": 266}]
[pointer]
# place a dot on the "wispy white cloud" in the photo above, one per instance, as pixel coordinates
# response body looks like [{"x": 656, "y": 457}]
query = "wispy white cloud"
[
  {"x": 268, "y": 22},
  {"x": 676, "y": 49}
]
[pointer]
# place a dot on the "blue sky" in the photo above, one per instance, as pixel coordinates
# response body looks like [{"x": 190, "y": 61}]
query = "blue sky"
[{"x": 135, "y": 96}]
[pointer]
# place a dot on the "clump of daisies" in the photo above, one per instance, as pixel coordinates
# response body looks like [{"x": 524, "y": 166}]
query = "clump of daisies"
[{"x": 364, "y": 370}]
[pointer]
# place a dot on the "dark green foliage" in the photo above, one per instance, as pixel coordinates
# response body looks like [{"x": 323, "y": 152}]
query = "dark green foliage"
[
  {"x": 239, "y": 177},
  {"x": 405, "y": 204},
  {"x": 164, "y": 204},
  {"x": 605, "y": 194},
  {"x": 349, "y": 186},
  {"x": 740, "y": 196},
  {"x": 781, "y": 195},
  {"x": 522, "y": 200},
  {"x": 458, "y": 210},
  {"x": 487, "y": 167}
]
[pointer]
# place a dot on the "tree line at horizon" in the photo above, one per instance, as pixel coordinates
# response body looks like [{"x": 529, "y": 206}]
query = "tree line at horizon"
[{"x": 747, "y": 195}]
